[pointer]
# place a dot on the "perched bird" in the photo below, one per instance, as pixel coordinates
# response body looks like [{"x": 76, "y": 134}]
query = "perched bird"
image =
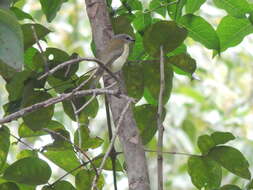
[{"x": 114, "y": 55}]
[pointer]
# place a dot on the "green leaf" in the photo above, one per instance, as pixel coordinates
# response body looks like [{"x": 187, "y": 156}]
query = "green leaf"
[
  {"x": 175, "y": 9},
  {"x": 40, "y": 118},
  {"x": 134, "y": 79},
  {"x": 134, "y": 4},
  {"x": 200, "y": 30},
  {"x": 231, "y": 159},
  {"x": 60, "y": 143},
  {"x": 28, "y": 33},
  {"x": 205, "y": 143},
  {"x": 30, "y": 171},
  {"x": 122, "y": 25},
  {"x": 26, "y": 153},
  {"x": 108, "y": 163},
  {"x": 156, "y": 6},
  {"x": 163, "y": 33},
  {"x": 142, "y": 21},
  {"x": 190, "y": 129},
  {"x": 193, "y": 5},
  {"x": 11, "y": 38},
  {"x": 146, "y": 119},
  {"x": 9, "y": 186},
  {"x": 179, "y": 50},
  {"x": 236, "y": 8},
  {"x": 231, "y": 31},
  {"x": 86, "y": 140},
  {"x": 222, "y": 137},
  {"x": 149, "y": 98},
  {"x": 4, "y": 145},
  {"x": 31, "y": 62},
  {"x": 50, "y": 8},
  {"x": 230, "y": 187},
  {"x": 183, "y": 62},
  {"x": 84, "y": 178},
  {"x": 152, "y": 80},
  {"x": 21, "y": 15},
  {"x": 12, "y": 106},
  {"x": 60, "y": 185},
  {"x": 205, "y": 172}
]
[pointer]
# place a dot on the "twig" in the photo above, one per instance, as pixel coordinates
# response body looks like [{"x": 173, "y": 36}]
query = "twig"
[
  {"x": 24, "y": 143},
  {"x": 111, "y": 144},
  {"x": 40, "y": 48},
  {"x": 162, "y": 5},
  {"x": 60, "y": 98},
  {"x": 160, "y": 123},
  {"x": 86, "y": 104},
  {"x": 171, "y": 152}
]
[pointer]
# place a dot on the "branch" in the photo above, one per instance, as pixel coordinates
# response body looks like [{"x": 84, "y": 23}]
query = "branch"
[
  {"x": 172, "y": 152},
  {"x": 107, "y": 154},
  {"x": 160, "y": 124}
]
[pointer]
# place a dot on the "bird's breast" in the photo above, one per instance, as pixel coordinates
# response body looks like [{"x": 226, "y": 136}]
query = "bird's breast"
[{"x": 120, "y": 61}]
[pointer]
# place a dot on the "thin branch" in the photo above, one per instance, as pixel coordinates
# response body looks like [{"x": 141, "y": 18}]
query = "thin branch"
[
  {"x": 160, "y": 123},
  {"x": 24, "y": 143},
  {"x": 40, "y": 48},
  {"x": 54, "y": 100},
  {"x": 171, "y": 152},
  {"x": 86, "y": 104},
  {"x": 111, "y": 144}
]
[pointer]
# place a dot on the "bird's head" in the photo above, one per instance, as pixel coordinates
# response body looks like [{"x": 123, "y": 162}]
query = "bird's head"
[{"x": 125, "y": 37}]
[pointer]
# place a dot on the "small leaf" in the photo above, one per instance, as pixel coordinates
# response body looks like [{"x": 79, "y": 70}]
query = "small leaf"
[
  {"x": 30, "y": 171},
  {"x": 205, "y": 143},
  {"x": 4, "y": 145},
  {"x": 163, "y": 33},
  {"x": 230, "y": 187},
  {"x": 205, "y": 172},
  {"x": 9, "y": 186},
  {"x": 60, "y": 185},
  {"x": 142, "y": 21},
  {"x": 108, "y": 163},
  {"x": 231, "y": 31},
  {"x": 26, "y": 153},
  {"x": 231, "y": 159},
  {"x": 200, "y": 30},
  {"x": 50, "y": 8},
  {"x": 193, "y": 5},
  {"x": 175, "y": 9},
  {"x": 222, "y": 137},
  {"x": 21, "y": 15},
  {"x": 29, "y": 38},
  {"x": 84, "y": 180},
  {"x": 122, "y": 25},
  {"x": 40, "y": 118},
  {"x": 11, "y": 38},
  {"x": 155, "y": 6},
  {"x": 236, "y": 8},
  {"x": 134, "y": 4}
]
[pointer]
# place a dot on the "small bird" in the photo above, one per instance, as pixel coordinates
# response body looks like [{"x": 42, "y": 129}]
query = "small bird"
[{"x": 115, "y": 55}]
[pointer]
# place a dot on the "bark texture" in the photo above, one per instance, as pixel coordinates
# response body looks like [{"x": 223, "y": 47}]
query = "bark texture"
[{"x": 133, "y": 149}]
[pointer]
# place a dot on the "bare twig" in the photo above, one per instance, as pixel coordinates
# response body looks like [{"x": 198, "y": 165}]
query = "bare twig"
[
  {"x": 86, "y": 104},
  {"x": 160, "y": 123},
  {"x": 40, "y": 48},
  {"x": 60, "y": 98},
  {"x": 172, "y": 152},
  {"x": 24, "y": 143},
  {"x": 111, "y": 144}
]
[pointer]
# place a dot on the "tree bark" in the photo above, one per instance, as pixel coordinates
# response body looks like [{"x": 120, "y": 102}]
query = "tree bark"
[{"x": 133, "y": 149}]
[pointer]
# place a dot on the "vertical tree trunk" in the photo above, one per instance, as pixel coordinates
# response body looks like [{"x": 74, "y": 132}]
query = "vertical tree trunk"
[{"x": 133, "y": 149}]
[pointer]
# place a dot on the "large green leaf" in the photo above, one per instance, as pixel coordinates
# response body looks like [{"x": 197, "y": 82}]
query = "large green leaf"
[
  {"x": 21, "y": 15},
  {"x": 11, "y": 38},
  {"x": 222, "y": 137},
  {"x": 29, "y": 38},
  {"x": 9, "y": 186},
  {"x": 231, "y": 159},
  {"x": 204, "y": 172},
  {"x": 205, "y": 143},
  {"x": 50, "y": 8},
  {"x": 193, "y": 5},
  {"x": 84, "y": 178},
  {"x": 60, "y": 185},
  {"x": 163, "y": 33},
  {"x": 200, "y": 30},
  {"x": 30, "y": 171},
  {"x": 4, "y": 145},
  {"x": 40, "y": 118},
  {"x": 236, "y": 8},
  {"x": 231, "y": 31}
]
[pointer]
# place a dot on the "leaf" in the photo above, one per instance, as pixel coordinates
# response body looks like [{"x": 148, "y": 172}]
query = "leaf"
[
  {"x": 193, "y": 5},
  {"x": 200, "y": 30},
  {"x": 26, "y": 153},
  {"x": 84, "y": 178},
  {"x": 11, "y": 38},
  {"x": 12, "y": 106},
  {"x": 175, "y": 9},
  {"x": 190, "y": 129},
  {"x": 21, "y": 15},
  {"x": 231, "y": 31},
  {"x": 156, "y": 6},
  {"x": 134, "y": 79},
  {"x": 134, "y": 4},
  {"x": 108, "y": 163},
  {"x": 179, "y": 50},
  {"x": 50, "y": 8},
  {"x": 33, "y": 60},
  {"x": 86, "y": 140},
  {"x": 183, "y": 62},
  {"x": 152, "y": 80},
  {"x": 146, "y": 119},
  {"x": 236, "y": 8},
  {"x": 40, "y": 118},
  {"x": 29, "y": 38},
  {"x": 30, "y": 171},
  {"x": 4, "y": 145},
  {"x": 9, "y": 186},
  {"x": 204, "y": 172},
  {"x": 122, "y": 25},
  {"x": 205, "y": 143},
  {"x": 163, "y": 33},
  {"x": 60, "y": 185},
  {"x": 222, "y": 137},
  {"x": 231, "y": 159},
  {"x": 230, "y": 187},
  {"x": 142, "y": 21}
]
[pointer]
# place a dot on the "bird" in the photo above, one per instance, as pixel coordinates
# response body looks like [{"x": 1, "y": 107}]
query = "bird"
[{"x": 114, "y": 56}]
